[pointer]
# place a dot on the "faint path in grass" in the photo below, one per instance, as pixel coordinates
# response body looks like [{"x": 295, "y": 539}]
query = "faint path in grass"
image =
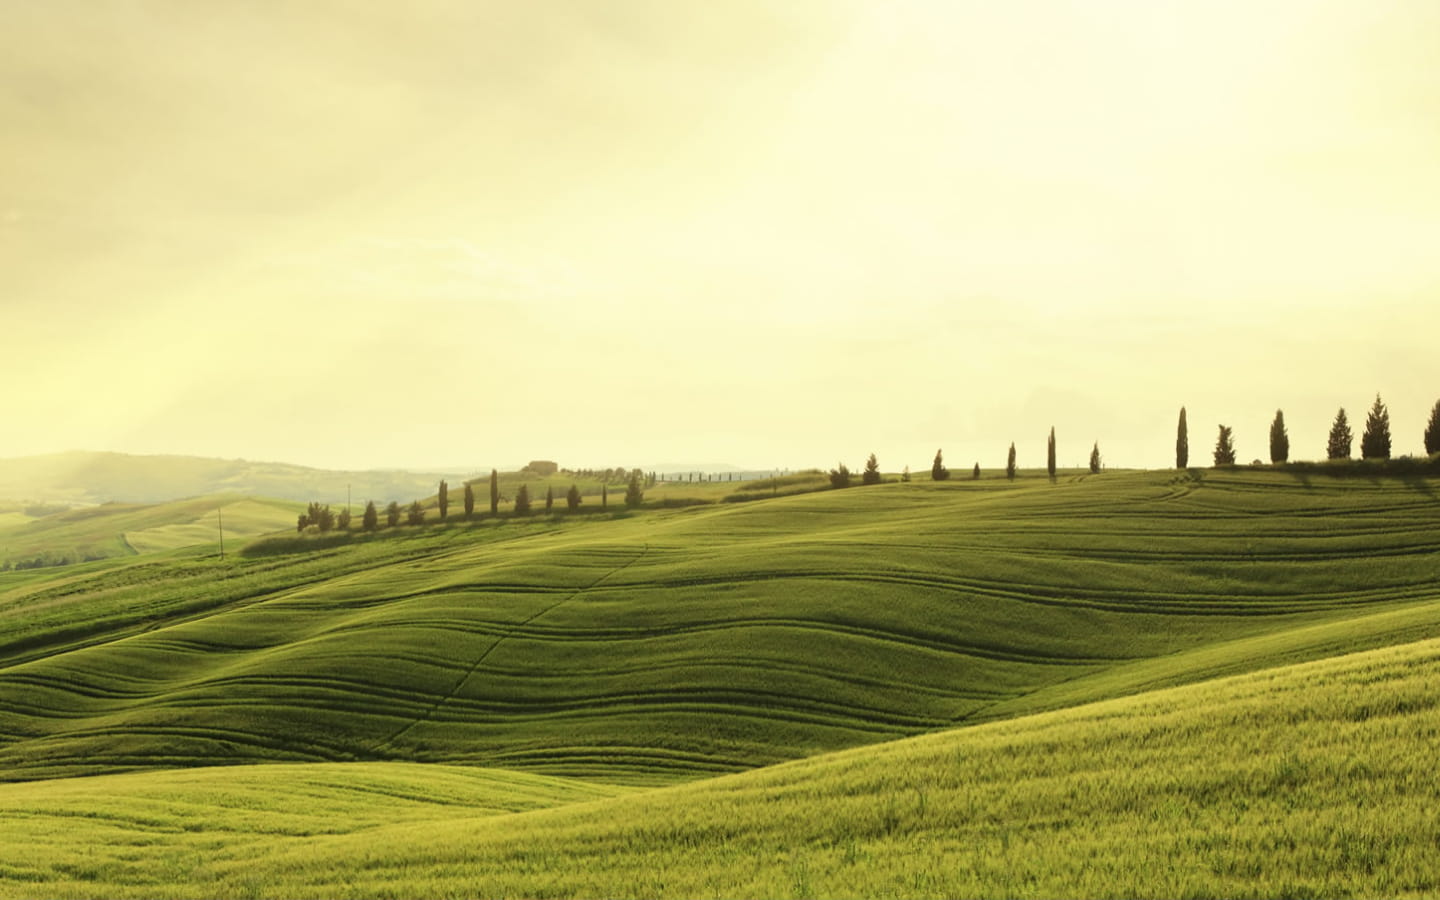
[{"x": 479, "y": 660}]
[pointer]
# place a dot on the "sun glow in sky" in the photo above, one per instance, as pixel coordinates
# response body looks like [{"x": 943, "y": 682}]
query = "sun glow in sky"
[{"x": 377, "y": 234}]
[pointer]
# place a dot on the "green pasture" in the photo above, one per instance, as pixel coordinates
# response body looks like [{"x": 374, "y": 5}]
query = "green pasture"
[
  {"x": 112, "y": 530},
  {"x": 675, "y": 644},
  {"x": 969, "y": 688},
  {"x": 1313, "y": 780}
]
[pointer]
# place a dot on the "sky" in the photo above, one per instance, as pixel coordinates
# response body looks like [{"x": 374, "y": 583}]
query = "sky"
[{"x": 471, "y": 234}]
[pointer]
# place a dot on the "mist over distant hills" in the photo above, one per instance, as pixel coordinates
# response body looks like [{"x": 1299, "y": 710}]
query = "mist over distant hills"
[{"x": 83, "y": 477}]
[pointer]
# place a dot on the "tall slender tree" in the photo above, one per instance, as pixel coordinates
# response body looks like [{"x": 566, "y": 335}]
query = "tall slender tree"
[
  {"x": 469, "y": 499},
  {"x": 975, "y": 473},
  {"x": 604, "y": 497},
  {"x": 549, "y": 498},
  {"x": 1225, "y": 447},
  {"x": 371, "y": 520},
  {"x": 1432, "y": 431},
  {"x": 522, "y": 501},
  {"x": 1338, "y": 446},
  {"x": 572, "y": 498},
  {"x": 1010, "y": 463},
  {"x": 633, "y": 494},
  {"x": 1182, "y": 442},
  {"x": 871, "y": 475},
  {"x": 443, "y": 497},
  {"x": 1050, "y": 454},
  {"x": 1279, "y": 440},
  {"x": 1375, "y": 442},
  {"x": 392, "y": 514},
  {"x": 938, "y": 472},
  {"x": 1095, "y": 459},
  {"x": 494, "y": 492},
  {"x": 416, "y": 515}
]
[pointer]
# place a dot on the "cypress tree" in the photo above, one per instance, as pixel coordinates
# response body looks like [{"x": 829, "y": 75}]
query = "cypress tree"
[
  {"x": 975, "y": 475},
  {"x": 938, "y": 472},
  {"x": 1375, "y": 442},
  {"x": 1225, "y": 447},
  {"x": 371, "y": 520},
  {"x": 871, "y": 475},
  {"x": 1010, "y": 463},
  {"x": 604, "y": 497},
  {"x": 342, "y": 521},
  {"x": 392, "y": 514},
  {"x": 1279, "y": 440},
  {"x": 494, "y": 492},
  {"x": 469, "y": 499},
  {"x": 633, "y": 493},
  {"x": 522, "y": 501},
  {"x": 549, "y": 498},
  {"x": 840, "y": 476},
  {"x": 1432, "y": 431},
  {"x": 572, "y": 498},
  {"x": 1182, "y": 442},
  {"x": 1050, "y": 454},
  {"x": 444, "y": 499},
  {"x": 1338, "y": 447},
  {"x": 417, "y": 514},
  {"x": 1095, "y": 459}
]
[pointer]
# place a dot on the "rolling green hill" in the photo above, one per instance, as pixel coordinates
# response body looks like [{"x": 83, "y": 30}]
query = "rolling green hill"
[
  {"x": 70, "y": 536},
  {"x": 472, "y": 708},
  {"x": 677, "y": 644},
  {"x": 1314, "y": 780}
]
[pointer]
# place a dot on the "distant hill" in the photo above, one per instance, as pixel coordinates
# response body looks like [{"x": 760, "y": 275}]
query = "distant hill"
[{"x": 80, "y": 478}]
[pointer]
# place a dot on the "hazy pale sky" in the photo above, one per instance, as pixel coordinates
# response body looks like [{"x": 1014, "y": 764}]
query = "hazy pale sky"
[{"x": 356, "y": 234}]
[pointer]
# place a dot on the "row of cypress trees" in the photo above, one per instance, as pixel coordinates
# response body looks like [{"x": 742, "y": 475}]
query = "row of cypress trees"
[{"x": 1375, "y": 442}]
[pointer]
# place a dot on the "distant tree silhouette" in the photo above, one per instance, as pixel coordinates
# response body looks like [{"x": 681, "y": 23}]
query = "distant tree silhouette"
[
  {"x": 494, "y": 492},
  {"x": 469, "y": 499},
  {"x": 1432, "y": 431},
  {"x": 1225, "y": 447},
  {"x": 417, "y": 514},
  {"x": 1010, "y": 463},
  {"x": 1375, "y": 442},
  {"x": 1095, "y": 459},
  {"x": 975, "y": 474},
  {"x": 1182, "y": 442},
  {"x": 302, "y": 522},
  {"x": 1279, "y": 440},
  {"x": 392, "y": 514},
  {"x": 1050, "y": 454},
  {"x": 549, "y": 498},
  {"x": 522, "y": 501},
  {"x": 572, "y": 498},
  {"x": 320, "y": 516},
  {"x": 871, "y": 475},
  {"x": 371, "y": 520},
  {"x": 1338, "y": 447},
  {"x": 443, "y": 496},
  {"x": 342, "y": 521},
  {"x": 840, "y": 477},
  {"x": 604, "y": 497},
  {"x": 938, "y": 472},
  {"x": 633, "y": 493},
  {"x": 905, "y": 474}
]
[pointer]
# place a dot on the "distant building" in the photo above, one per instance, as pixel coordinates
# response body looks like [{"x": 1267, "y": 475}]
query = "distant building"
[{"x": 542, "y": 467}]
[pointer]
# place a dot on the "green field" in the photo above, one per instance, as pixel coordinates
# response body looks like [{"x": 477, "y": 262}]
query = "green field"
[
  {"x": 70, "y": 536},
  {"x": 555, "y": 656}
]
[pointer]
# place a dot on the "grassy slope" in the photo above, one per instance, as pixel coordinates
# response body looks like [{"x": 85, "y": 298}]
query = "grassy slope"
[
  {"x": 127, "y": 529},
  {"x": 689, "y": 642},
  {"x": 1314, "y": 780}
]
